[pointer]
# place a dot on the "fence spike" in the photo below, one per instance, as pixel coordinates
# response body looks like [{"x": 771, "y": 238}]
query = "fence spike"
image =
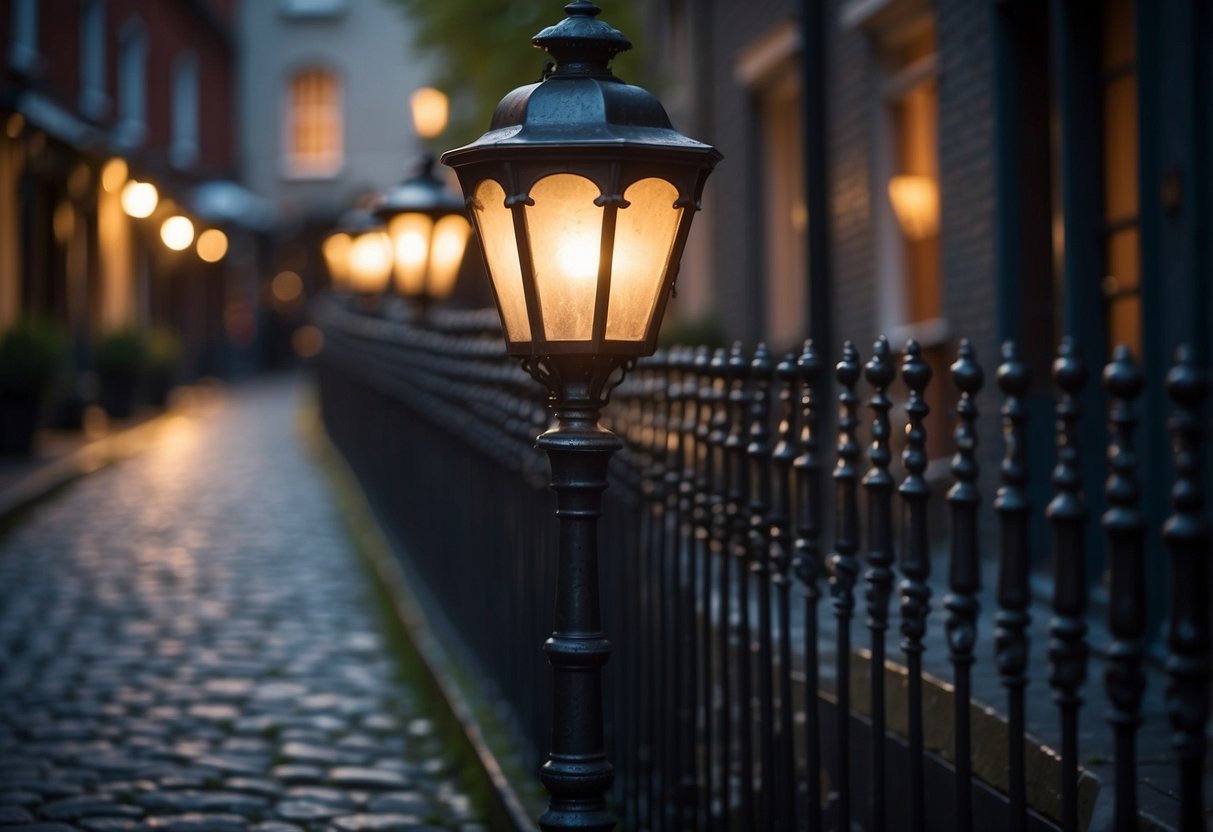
[
  {"x": 915, "y": 565},
  {"x": 808, "y": 566},
  {"x": 843, "y": 565},
  {"x": 718, "y": 757},
  {"x": 1067, "y": 512},
  {"x": 782, "y": 458},
  {"x": 878, "y": 485},
  {"x": 1186, "y": 533},
  {"x": 1123, "y": 525},
  {"x": 964, "y": 569}
]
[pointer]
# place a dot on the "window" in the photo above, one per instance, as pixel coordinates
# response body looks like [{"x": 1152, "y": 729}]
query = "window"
[
  {"x": 907, "y": 212},
  {"x": 132, "y": 84},
  {"x": 93, "y": 100},
  {"x": 184, "y": 149},
  {"x": 1122, "y": 240},
  {"x": 314, "y": 124},
  {"x": 770, "y": 69},
  {"x": 23, "y": 56}
]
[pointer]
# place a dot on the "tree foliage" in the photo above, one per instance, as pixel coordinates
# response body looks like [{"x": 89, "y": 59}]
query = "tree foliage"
[{"x": 484, "y": 50}]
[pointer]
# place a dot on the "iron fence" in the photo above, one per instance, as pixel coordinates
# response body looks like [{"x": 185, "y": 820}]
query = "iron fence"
[{"x": 723, "y": 698}]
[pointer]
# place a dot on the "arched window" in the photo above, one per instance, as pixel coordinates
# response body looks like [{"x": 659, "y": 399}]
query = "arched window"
[{"x": 314, "y": 123}]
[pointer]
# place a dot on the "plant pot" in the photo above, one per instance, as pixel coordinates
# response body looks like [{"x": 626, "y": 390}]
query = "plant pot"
[{"x": 18, "y": 421}]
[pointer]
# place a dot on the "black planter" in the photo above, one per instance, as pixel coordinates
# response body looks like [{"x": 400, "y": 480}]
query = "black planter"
[{"x": 18, "y": 421}]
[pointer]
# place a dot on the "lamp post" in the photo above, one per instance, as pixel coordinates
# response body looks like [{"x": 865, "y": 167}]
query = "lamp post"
[
  {"x": 428, "y": 228},
  {"x": 582, "y": 195}
]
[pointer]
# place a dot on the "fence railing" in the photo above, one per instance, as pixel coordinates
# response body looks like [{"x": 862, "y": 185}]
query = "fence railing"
[{"x": 723, "y": 696}]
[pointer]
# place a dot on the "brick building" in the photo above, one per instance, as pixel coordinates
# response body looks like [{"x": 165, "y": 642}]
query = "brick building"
[
  {"x": 1015, "y": 169},
  {"x": 95, "y": 95}
]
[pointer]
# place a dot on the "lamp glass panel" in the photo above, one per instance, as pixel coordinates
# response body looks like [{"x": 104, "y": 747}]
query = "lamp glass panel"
[
  {"x": 644, "y": 239},
  {"x": 410, "y": 235},
  {"x": 336, "y": 250},
  {"x": 370, "y": 262},
  {"x": 447, "y": 244},
  {"x": 565, "y": 228},
  {"x": 496, "y": 224}
]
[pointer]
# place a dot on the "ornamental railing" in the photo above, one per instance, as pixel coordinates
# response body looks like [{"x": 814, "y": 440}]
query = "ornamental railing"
[{"x": 746, "y": 547}]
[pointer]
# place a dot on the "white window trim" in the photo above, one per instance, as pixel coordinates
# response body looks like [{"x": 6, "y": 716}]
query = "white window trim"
[
  {"x": 23, "y": 53},
  {"x": 184, "y": 145},
  {"x": 94, "y": 102}
]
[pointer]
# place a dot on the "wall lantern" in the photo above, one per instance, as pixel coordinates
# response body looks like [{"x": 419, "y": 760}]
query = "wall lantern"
[
  {"x": 429, "y": 231},
  {"x": 915, "y": 201},
  {"x": 582, "y": 195}
]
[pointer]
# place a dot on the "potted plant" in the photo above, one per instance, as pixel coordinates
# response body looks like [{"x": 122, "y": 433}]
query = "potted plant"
[
  {"x": 163, "y": 356},
  {"x": 120, "y": 359},
  {"x": 30, "y": 355}
]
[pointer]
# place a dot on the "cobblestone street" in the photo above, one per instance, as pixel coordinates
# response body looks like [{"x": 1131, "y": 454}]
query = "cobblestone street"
[{"x": 189, "y": 642}]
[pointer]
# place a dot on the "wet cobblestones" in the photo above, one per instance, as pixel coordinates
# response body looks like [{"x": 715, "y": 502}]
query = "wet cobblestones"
[{"x": 189, "y": 644}]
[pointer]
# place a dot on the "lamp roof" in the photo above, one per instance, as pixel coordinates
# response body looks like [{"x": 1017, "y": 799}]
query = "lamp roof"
[
  {"x": 423, "y": 192},
  {"x": 580, "y": 103}
]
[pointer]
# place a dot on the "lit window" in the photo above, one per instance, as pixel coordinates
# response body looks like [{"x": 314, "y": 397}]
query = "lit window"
[
  {"x": 1122, "y": 240},
  {"x": 132, "y": 84},
  {"x": 93, "y": 100},
  {"x": 910, "y": 181},
  {"x": 23, "y": 55},
  {"x": 314, "y": 124},
  {"x": 184, "y": 149}
]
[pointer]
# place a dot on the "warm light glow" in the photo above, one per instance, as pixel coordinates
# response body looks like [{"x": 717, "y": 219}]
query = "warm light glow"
[
  {"x": 447, "y": 246},
  {"x": 370, "y": 262},
  {"x": 139, "y": 199},
  {"x": 565, "y": 228},
  {"x": 336, "y": 251},
  {"x": 495, "y": 223},
  {"x": 431, "y": 108},
  {"x": 644, "y": 240},
  {"x": 411, "y": 240},
  {"x": 307, "y": 341},
  {"x": 915, "y": 200},
  {"x": 177, "y": 233},
  {"x": 212, "y": 245},
  {"x": 286, "y": 286},
  {"x": 63, "y": 222},
  {"x": 113, "y": 175}
]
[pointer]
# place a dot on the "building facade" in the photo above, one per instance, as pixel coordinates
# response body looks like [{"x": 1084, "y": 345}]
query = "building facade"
[
  {"x": 937, "y": 169},
  {"x": 96, "y": 95}
]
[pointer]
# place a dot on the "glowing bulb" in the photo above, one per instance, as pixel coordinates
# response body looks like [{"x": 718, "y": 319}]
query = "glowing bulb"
[
  {"x": 430, "y": 108},
  {"x": 139, "y": 199},
  {"x": 177, "y": 233},
  {"x": 577, "y": 260},
  {"x": 336, "y": 251},
  {"x": 370, "y": 262},
  {"x": 212, "y": 245}
]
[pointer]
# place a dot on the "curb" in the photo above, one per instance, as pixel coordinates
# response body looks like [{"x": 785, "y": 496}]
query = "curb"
[
  {"x": 87, "y": 459},
  {"x": 507, "y": 810}
]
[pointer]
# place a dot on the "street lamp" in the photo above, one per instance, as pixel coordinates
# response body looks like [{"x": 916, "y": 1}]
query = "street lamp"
[
  {"x": 582, "y": 195},
  {"x": 429, "y": 230},
  {"x": 368, "y": 257}
]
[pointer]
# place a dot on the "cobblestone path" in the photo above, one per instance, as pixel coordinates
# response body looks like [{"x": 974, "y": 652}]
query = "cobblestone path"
[{"x": 188, "y": 643}]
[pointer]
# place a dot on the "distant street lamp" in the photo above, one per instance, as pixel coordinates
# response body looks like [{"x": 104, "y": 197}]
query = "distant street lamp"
[
  {"x": 429, "y": 230},
  {"x": 582, "y": 196},
  {"x": 369, "y": 259},
  {"x": 177, "y": 232},
  {"x": 336, "y": 251},
  {"x": 139, "y": 199},
  {"x": 211, "y": 245}
]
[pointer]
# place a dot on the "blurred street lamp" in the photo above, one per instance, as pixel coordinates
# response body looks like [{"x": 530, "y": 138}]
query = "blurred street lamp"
[
  {"x": 582, "y": 196},
  {"x": 429, "y": 231},
  {"x": 212, "y": 245},
  {"x": 368, "y": 268},
  {"x": 336, "y": 251},
  {"x": 430, "y": 108},
  {"x": 139, "y": 199},
  {"x": 177, "y": 232}
]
